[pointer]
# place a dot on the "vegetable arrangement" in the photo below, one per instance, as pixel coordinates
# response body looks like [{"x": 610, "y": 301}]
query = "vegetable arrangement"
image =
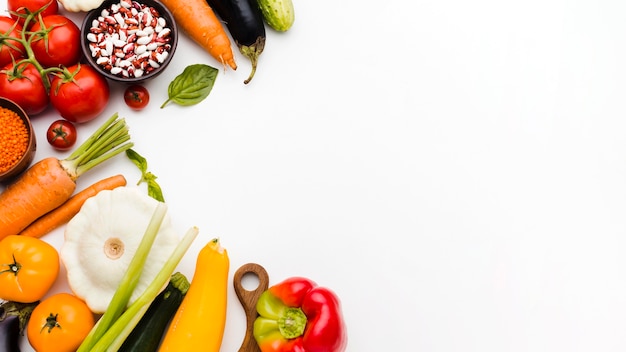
[
  {"x": 141, "y": 303},
  {"x": 42, "y": 66},
  {"x": 51, "y": 182}
]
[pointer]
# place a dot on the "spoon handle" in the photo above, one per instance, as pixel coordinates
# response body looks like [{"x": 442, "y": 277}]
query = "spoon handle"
[{"x": 248, "y": 300}]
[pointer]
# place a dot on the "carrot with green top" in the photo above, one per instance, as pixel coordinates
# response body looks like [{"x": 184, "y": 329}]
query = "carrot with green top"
[
  {"x": 50, "y": 182},
  {"x": 66, "y": 211}
]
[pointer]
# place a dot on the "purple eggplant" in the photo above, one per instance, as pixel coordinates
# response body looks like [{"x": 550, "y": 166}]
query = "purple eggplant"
[
  {"x": 244, "y": 21},
  {"x": 13, "y": 319}
]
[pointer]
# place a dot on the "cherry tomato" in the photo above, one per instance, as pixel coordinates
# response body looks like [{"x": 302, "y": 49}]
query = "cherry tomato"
[
  {"x": 61, "y": 46},
  {"x": 23, "y": 84},
  {"x": 28, "y": 268},
  {"x": 19, "y": 6},
  {"x": 10, "y": 49},
  {"x": 81, "y": 98},
  {"x": 59, "y": 323},
  {"x": 61, "y": 134},
  {"x": 136, "y": 97}
]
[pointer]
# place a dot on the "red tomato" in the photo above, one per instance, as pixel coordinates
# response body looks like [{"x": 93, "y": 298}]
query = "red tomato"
[
  {"x": 23, "y": 84},
  {"x": 19, "y": 6},
  {"x": 61, "y": 134},
  {"x": 136, "y": 97},
  {"x": 62, "y": 46},
  {"x": 10, "y": 49},
  {"x": 82, "y": 97}
]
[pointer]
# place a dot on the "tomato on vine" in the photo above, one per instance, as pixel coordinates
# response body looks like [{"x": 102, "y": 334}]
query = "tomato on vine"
[
  {"x": 57, "y": 41},
  {"x": 22, "y": 7},
  {"x": 81, "y": 94},
  {"x": 61, "y": 134},
  {"x": 10, "y": 49},
  {"x": 136, "y": 97},
  {"x": 23, "y": 84}
]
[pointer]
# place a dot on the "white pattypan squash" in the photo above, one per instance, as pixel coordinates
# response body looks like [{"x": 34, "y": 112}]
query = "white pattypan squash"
[
  {"x": 101, "y": 240},
  {"x": 80, "y": 5}
]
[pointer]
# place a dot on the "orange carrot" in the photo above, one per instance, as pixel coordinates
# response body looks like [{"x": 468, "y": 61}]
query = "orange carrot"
[
  {"x": 50, "y": 182},
  {"x": 66, "y": 211},
  {"x": 199, "y": 22},
  {"x": 44, "y": 186}
]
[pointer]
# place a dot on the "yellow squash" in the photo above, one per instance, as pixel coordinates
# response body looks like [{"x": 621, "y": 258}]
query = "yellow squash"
[{"x": 199, "y": 322}]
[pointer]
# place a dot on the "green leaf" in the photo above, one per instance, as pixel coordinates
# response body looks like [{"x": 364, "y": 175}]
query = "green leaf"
[
  {"x": 138, "y": 160},
  {"x": 154, "y": 189},
  {"x": 192, "y": 86}
]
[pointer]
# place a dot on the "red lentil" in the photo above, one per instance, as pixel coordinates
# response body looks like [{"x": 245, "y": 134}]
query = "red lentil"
[{"x": 13, "y": 138}]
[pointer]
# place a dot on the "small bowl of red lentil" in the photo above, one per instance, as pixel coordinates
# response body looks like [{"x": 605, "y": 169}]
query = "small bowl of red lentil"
[
  {"x": 17, "y": 140},
  {"x": 129, "y": 41}
]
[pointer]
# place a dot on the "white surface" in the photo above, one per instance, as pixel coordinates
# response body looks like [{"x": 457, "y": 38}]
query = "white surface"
[{"x": 454, "y": 170}]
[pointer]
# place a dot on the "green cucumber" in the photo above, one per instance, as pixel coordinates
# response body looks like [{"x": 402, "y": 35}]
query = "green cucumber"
[
  {"x": 147, "y": 334},
  {"x": 278, "y": 14}
]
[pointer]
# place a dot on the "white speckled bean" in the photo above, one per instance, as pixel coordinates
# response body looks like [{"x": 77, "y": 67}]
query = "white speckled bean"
[{"x": 129, "y": 39}]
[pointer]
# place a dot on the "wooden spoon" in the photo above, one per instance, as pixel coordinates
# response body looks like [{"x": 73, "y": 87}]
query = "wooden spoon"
[{"x": 248, "y": 300}]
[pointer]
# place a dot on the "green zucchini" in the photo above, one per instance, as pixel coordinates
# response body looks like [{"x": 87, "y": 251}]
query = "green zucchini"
[
  {"x": 278, "y": 14},
  {"x": 147, "y": 334}
]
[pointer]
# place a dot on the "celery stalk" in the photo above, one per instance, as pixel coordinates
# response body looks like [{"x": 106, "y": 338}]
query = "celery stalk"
[
  {"x": 114, "y": 337},
  {"x": 129, "y": 281}
]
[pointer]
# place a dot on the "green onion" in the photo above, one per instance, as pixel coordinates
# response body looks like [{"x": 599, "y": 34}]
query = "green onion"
[
  {"x": 114, "y": 337},
  {"x": 107, "y": 141},
  {"x": 128, "y": 283}
]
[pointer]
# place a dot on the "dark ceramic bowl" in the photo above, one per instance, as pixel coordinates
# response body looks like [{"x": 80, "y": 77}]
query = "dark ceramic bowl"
[
  {"x": 27, "y": 157},
  {"x": 127, "y": 42}
]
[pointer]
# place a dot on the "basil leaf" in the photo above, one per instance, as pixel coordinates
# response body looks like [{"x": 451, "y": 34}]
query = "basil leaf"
[
  {"x": 192, "y": 86},
  {"x": 154, "y": 190},
  {"x": 138, "y": 160}
]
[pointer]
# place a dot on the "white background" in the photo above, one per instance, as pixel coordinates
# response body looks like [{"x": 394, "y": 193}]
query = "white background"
[{"x": 454, "y": 170}]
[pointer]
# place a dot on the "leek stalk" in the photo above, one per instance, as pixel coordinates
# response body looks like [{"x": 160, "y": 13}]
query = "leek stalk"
[
  {"x": 128, "y": 283},
  {"x": 114, "y": 337}
]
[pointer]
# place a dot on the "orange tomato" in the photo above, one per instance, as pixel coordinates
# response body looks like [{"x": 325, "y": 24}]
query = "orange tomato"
[
  {"x": 59, "y": 323},
  {"x": 29, "y": 267}
]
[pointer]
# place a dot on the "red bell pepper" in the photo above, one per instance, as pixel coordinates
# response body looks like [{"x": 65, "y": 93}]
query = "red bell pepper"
[{"x": 296, "y": 315}]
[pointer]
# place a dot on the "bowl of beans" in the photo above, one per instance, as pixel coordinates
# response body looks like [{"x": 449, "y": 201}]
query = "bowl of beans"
[
  {"x": 129, "y": 41},
  {"x": 17, "y": 140}
]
